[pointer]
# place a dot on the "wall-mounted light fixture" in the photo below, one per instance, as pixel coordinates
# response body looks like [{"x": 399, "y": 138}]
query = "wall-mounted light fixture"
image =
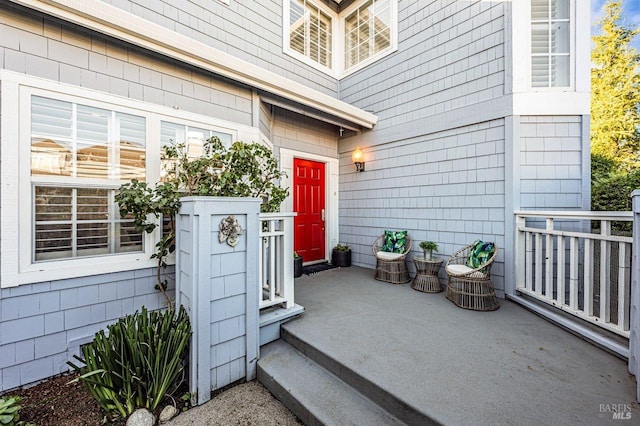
[{"x": 358, "y": 159}]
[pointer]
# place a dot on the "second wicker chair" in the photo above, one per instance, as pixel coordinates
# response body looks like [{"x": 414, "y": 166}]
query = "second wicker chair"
[{"x": 471, "y": 288}]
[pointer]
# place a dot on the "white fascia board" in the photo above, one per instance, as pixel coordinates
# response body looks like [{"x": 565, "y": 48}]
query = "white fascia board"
[
  {"x": 552, "y": 102},
  {"x": 117, "y": 23}
]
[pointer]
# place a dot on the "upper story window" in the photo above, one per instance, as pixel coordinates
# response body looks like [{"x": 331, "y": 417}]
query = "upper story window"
[
  {"x": 367, "y": 31},
  {"x": 340, "y": 43},
  {"x": 310, "y": 31},
  {"x": 550, "y": 43}
]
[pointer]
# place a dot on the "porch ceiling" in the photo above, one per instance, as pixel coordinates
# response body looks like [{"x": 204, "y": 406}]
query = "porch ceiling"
[{"x": 457, "y": 366}]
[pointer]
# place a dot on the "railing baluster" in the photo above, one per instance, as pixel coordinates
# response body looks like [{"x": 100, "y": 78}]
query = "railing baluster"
[
  {"x": 605, "y": 269},
  {"x": 529, "y": 264},
  {"x": 548, "y": 278},
  {"x": 561, "y": 271},
  {"x": 538, "y": 253},
  {"x": 624, "y": 280},
  {"x": 588, "y": 276},
  {"x": 573, "y": 273}
]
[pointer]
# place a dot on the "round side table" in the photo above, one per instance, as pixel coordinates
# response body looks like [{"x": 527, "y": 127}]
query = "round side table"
[{"x": 426, "y": 279}]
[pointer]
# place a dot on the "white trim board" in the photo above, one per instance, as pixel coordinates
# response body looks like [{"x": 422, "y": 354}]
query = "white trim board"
[{"x": 117, "y": 23}]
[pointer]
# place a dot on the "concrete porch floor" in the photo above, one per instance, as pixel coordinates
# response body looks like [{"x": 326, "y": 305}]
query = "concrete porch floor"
[{"x": 457, "y": 366}]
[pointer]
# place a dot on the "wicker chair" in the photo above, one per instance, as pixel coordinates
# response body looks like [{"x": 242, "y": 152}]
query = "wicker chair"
[
  {"x": 391, "y": 267},
  {"x": 471, "y": 288}
]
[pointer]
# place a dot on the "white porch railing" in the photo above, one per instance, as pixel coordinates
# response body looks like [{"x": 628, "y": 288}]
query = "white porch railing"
[
  {"x": 275, "y": 260},
  {"x": 559, "y": 261}
]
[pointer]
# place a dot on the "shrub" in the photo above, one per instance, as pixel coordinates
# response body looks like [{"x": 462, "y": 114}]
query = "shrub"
[
  {"x": 139, "y": 361},
  {"x": 613, "y": 193},
  {"x": 242, "y": 170},
  {"x": 9, "y": 411},
  {"x": 342, "y": 247}
]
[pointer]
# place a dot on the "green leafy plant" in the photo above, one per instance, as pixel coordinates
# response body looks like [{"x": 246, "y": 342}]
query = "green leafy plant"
[
  {"x": 342, "y": 247},
  {"x": 9, "y": 411},
  {"x": 429, "y": 245},
  {"x": 242, "y": 170},
  {"x": 296, "y": 255},
  {"x": 139, "y": 361}
]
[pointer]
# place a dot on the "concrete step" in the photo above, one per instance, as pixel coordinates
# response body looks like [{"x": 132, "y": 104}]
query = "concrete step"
[
  {"x": 312, "y": 393},
  {"x": 378, "y": 394}
]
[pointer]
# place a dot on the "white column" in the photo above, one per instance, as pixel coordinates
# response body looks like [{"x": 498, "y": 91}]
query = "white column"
[{"x": 634, "y": 337}]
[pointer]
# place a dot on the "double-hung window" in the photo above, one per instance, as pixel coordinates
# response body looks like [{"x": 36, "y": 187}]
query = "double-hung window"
[
  {"x": 550, "y": 43},
  {"x": 79, "y": 156}
]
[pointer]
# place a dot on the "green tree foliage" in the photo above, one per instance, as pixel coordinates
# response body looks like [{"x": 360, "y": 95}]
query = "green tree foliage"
[{"x": 615, "y": 91}]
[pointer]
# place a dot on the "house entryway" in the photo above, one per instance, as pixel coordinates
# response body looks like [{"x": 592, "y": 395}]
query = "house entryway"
[{"x": 309, "y": 204}]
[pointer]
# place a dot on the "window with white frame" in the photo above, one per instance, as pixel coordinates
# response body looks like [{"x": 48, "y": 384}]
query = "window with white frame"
[
  {"x": 550, "y": 43},
  {"x": 79, "y": 156},
  {"x": 63, "y": 164},
  {"x": 310, "y": 32},
  {"x": 367, "y": 32},
  {"x": 340, "y": 43}
]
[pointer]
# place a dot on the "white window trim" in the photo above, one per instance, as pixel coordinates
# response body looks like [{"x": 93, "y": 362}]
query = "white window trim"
[
  {"x": 286, "y": 47},
  {"x": 393, "y": 4},
  {"x": 337, "y": 39},
  {"x": 16, "y": 221},
  {"x": 521, "y": 16}
]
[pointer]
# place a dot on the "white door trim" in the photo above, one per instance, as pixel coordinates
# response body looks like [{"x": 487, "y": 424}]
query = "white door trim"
[{"x": 331, "y": 191}]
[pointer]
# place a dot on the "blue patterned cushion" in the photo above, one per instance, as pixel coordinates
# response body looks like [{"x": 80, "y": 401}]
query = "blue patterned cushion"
[
  {"x": 394, "y": 241},
  {"x": 479, "y": 253}
]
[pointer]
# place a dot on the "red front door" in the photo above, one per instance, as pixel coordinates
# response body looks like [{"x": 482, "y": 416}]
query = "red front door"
[{"x": 308, "y": 202}]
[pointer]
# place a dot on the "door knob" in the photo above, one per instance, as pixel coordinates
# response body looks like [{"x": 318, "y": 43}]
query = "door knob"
[{"x": 323, "y": 215}]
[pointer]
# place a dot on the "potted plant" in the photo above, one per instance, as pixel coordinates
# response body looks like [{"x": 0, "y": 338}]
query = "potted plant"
[
  {"x": 297, "y": 264},
  {"x": 428, "y": 247},
  {"x": 341, "y": 255}
]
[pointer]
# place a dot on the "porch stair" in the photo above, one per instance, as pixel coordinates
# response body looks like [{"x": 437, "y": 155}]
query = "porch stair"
[{"x": 322, "y": 391}]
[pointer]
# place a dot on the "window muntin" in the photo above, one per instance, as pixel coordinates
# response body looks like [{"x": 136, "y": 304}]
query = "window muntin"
[
  {"x": 79, "y": 155},
  {"x": 310, "y": 32},
  {"x": 191, "y": 136},
  {"x": 550, "y": 43},
  {"x": 367, "y": 32}
]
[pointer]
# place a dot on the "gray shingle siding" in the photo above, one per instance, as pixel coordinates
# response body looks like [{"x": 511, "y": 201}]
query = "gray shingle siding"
[
  {"x": 551, "y": 163},
  {"x": 298, "y": 132},
  {"x": 43, "y": 324},
  {"x": 449, "y": 56},
  {"x": 446, "y": 187},
  {"x": 88, "y": 60}
]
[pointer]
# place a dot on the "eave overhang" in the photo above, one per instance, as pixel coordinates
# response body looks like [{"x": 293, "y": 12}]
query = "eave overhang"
[{"x": 117, "y": 23}]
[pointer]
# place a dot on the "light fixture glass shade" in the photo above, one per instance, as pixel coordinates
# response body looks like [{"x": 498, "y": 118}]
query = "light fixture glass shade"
[
  {"x": 358, "y": 159},
  {"x": 357, "y": 156}
]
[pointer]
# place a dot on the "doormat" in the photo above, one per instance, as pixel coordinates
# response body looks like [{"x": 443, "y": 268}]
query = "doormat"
[{"x": 318, "y": 267}]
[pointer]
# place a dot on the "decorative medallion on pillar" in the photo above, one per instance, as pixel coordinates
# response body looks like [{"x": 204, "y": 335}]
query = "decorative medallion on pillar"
[{"x": 229, "y": 230}]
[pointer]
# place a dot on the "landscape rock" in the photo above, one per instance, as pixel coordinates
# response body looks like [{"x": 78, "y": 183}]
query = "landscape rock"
[
  {"x": 141, "y": 417},
  {"x": 167, "y": 413}
]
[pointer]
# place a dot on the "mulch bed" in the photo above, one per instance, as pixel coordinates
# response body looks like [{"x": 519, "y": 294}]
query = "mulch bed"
[{"x": 57, "y": 402}]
